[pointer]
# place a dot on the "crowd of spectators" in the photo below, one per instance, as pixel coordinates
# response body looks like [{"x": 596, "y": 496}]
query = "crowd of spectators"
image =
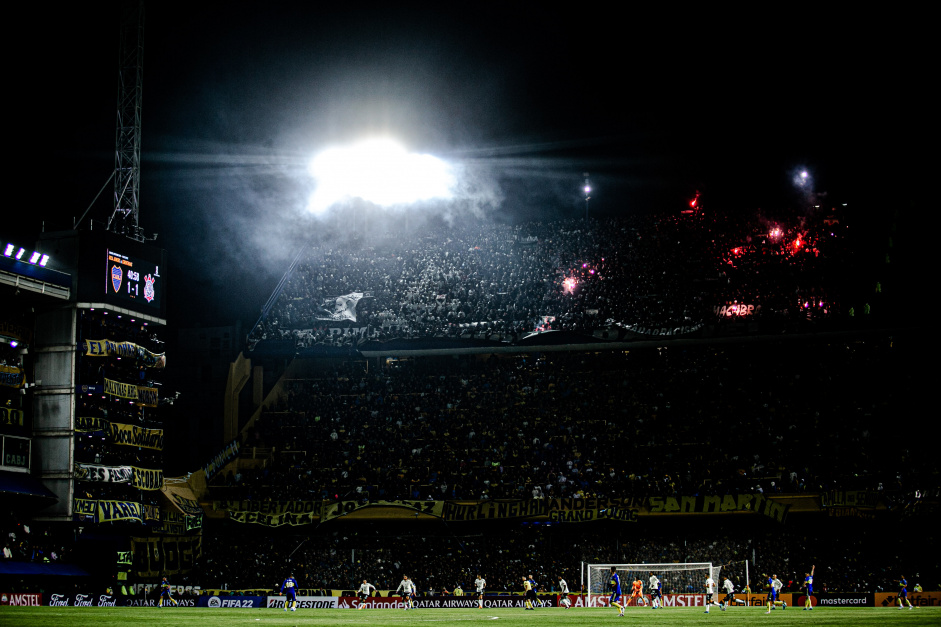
[
  {"x": 848, "y": 557},
  {"x": 25, "y": 541},
  {"x": 693, "y": 419},
  {"x": 505, "y": 281}
]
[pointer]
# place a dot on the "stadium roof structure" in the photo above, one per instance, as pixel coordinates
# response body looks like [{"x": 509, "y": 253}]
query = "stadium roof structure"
[
  {"x": 45, "y": 570},
  {"x": 19, "y": 485}
]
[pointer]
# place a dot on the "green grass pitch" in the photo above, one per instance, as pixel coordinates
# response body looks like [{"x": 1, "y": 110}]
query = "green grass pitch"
[{"x": 212, "y": 617}]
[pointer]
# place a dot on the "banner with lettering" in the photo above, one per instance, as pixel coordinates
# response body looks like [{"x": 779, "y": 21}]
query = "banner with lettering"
[
  {"x": 380, "y": 509},
  {"x": 129, "y": 435},
  {"x": 272, "y": 514},
  {"x": 18, "y": 332},
  {"x": 146, "y": 397},
  {"x": 140, "y": 478},
  {"x": 217, "y": 463},
  {"x": 867, "y": 499},
  {"x": 177, "y": 524},
  {"x": 130, "y": 350},
  {"x": 757, "y": 503},
  {"x": 12, "y": 376},
  {"x": 165, "y": 555},
  {"x": 11, "y": 416},
  {"x": 181, "y": 498},
  {"x": 91, "y": 424},
  {"x": 736, "y": 309},
  {"x": 102, "y": 511},
  {"x": 640, "y": 329},
  {"x": 557, "y": 510}
]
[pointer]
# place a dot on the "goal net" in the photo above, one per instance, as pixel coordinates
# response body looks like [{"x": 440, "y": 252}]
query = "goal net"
[{"x": 674, "y": 578}]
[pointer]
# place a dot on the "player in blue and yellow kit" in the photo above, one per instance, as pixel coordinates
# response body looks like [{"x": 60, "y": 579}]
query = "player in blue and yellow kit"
[
  {"x": 809, "y": 588},
  {"x": 903, "y": 594},
  {"x": 290, "y": 584},
  {"x": 615, "y": 583},
  {"x": 165, "y": 598},
  {"x": 774, "y": 592}
]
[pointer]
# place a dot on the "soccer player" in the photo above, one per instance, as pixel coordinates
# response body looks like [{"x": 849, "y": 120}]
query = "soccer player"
[
  {"x": 363, "y": 593},
  {"x": 407, "y": 587},
  {"x": 656, "y": 594},
  {"x": 903, "y": 594},
  {"x": 774, "y": 591},
  {"x": 165, "y": 598},
  {"x": 290, "y": 584},
  {"x": 481, "y": 585},
  {"x": 615, "y": 583},
  {"x": 531, "y": 598},
  {"x": 710, "y": 593},
  {"x": 809, "y": 587},
  {"x": 637, "y": 593},
  {"x": 564, "y": 599},
  {"x": 729, "y": 597}
]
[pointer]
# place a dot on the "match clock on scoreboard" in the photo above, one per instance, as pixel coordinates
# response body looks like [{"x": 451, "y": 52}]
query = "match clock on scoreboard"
[{"x": 133, "y": 279}]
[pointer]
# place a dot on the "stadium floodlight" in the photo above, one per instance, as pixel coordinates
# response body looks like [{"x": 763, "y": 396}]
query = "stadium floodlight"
[
  {"x": 380, "y": 171},
  {"x": 802, "y": 178},
  {"x": 8, "y": 251},
  {"x": 34, "y": 257},
  {"x": 19, "y": 253}
]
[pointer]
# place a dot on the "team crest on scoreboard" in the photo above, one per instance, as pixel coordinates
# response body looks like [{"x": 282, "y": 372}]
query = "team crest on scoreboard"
[
  {"x": 117, "y": 275},
  {"x": 149, "y": 287}
]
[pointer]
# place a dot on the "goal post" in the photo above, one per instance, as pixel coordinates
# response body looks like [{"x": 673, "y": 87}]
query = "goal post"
[{"x": 683, "y": 578}]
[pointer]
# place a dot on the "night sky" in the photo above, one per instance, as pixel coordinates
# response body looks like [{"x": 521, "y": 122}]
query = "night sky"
[{"x": 238, "y": 96}]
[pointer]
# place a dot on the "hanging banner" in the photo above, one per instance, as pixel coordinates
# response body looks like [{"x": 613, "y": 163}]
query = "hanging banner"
[
  {"x": 129, "y": 435},
  {"x": 162, "y": 556},
  {"x": 90, "y": 424},
  {"x": 850, "y": 498},
  {"x": 140, "y": 478},
  {"x": 23, "y": 335},
  {"x": 12, "y": 376},
  {"x": 667, "y": 331},
  {"x": 126, "y": 435},
  {"x": 146, "y": 397},
  {"x": 107, "y": 348},
  {"x": 99, "y": 511},
  {"x": 217, "y": 463},
  {"x": 11, "y": 416},
  {"x": 271, "y": 514},
  {"x": 757, "y": 503},
  {"x": 181, "y": 497},
  {"x": 177, "y": 524},
  {"x": 728, "y": 311},
  {"x": 342, "y": 508}
]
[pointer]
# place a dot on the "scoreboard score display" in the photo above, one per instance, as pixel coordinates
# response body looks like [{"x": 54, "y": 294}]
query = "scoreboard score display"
[
  {"x": 122, "y": 272},
  {"x": 133, "y": 279}
]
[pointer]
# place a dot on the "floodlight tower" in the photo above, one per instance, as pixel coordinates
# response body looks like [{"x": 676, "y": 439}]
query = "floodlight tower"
[
  {"x": 128, "y": 133},
  {"x": 587, "y": 190}
]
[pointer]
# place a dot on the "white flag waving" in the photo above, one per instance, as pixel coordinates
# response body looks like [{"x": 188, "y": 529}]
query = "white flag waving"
[{"x": 340, "y": 308}]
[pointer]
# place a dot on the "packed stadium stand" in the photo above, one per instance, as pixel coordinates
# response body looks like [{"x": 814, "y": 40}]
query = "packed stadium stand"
[{"x": 527, "y": 399}]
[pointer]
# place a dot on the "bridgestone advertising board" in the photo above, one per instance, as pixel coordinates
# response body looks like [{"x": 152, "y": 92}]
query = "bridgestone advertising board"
[{"x": 305, "y": 603}]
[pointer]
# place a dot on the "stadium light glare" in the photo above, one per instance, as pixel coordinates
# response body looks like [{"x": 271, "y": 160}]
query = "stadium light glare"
[
  {"x": 19, "y": 253},
  {"x": 380, "y": 171},
  {"x": 34, "y": 257},
  {"x": 8, "y": 251}
]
